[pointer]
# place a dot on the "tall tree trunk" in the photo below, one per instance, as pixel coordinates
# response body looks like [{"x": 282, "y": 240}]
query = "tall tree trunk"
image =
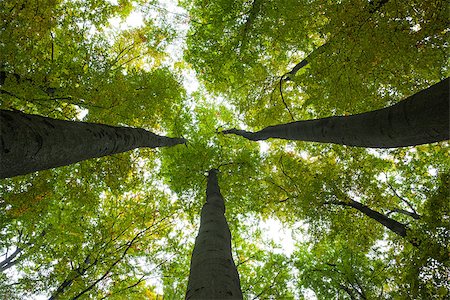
[
  {"x": 31, "y": 143},
  {"x": 213, "y": 273},
  {"x": 419, "y": 119},
  {"x": 391, "y": 224}
]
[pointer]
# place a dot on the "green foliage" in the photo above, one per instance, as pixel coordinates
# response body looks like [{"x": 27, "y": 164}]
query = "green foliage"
[
  {"x": 123, "y": 227},
  {"x": 243, "y": 48},
  {"x": 336, "y": 271}
]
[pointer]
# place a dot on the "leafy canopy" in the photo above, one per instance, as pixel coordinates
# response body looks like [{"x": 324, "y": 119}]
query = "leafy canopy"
[{"x": 123, "y": 226}]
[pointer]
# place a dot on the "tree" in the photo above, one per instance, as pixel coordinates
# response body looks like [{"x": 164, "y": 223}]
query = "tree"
[
  {"x": 97, "y": 260},
  {"x": 372, "y": 8},
  {"x": 333, "y": 272},
  {"x": 31, "y": 143},
  {"x": 350, "y": 70},
  {"x": 398, "y": 228},
  {"x": 421, "y": 118},
  {"x": 135, "y": 63},
  {"x": 393, "y": 225},
  {"x": 213, "y": 273}
]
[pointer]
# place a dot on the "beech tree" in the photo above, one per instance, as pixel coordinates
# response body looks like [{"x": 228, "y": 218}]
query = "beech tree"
[
  {"x": 420, "y": 119},
  {"x": 213, "y": 273},
  {"x": 376, "y": 75},
  {"x": 32, "y": 143},
  {"x": 308, "y": 220}
]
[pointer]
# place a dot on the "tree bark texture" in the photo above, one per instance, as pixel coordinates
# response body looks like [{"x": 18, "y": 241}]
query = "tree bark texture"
[
  {"x": 419, "y": 119},
  {"x": 391, "y": 224},
  {"x": 213, "y": 274},
  {"x": 30, "y": 143}
]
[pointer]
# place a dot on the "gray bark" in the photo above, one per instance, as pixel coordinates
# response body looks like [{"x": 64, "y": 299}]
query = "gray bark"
[
  {"x": 419, "y": 119},
  {"x": 213, "y": 274},
  {"x": 30, "y": 143},
  {"x": 391, "y": 224},
  {"x": 10, "y": 261}
]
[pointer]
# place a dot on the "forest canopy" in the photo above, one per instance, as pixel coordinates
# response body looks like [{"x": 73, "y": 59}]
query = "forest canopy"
[{"x": 308, "y": 219}]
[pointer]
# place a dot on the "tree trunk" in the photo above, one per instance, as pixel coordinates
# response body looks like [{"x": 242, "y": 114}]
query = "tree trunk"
[
  {"x": 30, "y": 143},
  {"x": 213, "y": 273},
  {"x": 419, "y": 119},
  {"x": 10, "y": 260},
  {"x": 391, "y": 224}
]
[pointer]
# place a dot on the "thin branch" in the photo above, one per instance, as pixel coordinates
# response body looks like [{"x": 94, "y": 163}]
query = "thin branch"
[
  {"x": 129, "y": 60},
  {"x": 245, "y": 260},
  {"x": 81, "y": 270},
  {"x": 348, "y": 291},
  {"x": 401, "y": 198},
  {"x": 127, "y": 288},
  {"x": 288, "y": 176},
  {"x": 373, "y": 8},
  {"x": 189, "y": 18},
  {"x": 404, "y": 212},
  {"x": 360, "y": 289},
  {"x": 228, "y": 164},
  {"x": 53, "y": 45},
  {"x": 10, "y": 260},
  {"x": 107, "y": 271},
  {"x": 121, "y": 54},
  {"x": 2, "y": 91},
  {"x": 269, "y": 287},
  {"x": 282, "y": 98},
  {"x": 76, "y": 273},
  {"x": 128, "y": 246},
  {"x": 281, "y": 188}
]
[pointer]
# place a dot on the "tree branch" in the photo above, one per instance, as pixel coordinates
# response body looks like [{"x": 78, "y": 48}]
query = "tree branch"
[
  {"x": 9, "y": 261},
  {"x": 128, "y": 246},
  {"x": 243, "y": 133},
  {"x": 401, "y": 198},
  {"x": 282, "y": 98},
  {"x": 404, "y": 212}
]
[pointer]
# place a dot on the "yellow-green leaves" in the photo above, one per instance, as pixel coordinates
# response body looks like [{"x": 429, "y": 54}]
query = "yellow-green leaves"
[{"x": 110, "y": 226}]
